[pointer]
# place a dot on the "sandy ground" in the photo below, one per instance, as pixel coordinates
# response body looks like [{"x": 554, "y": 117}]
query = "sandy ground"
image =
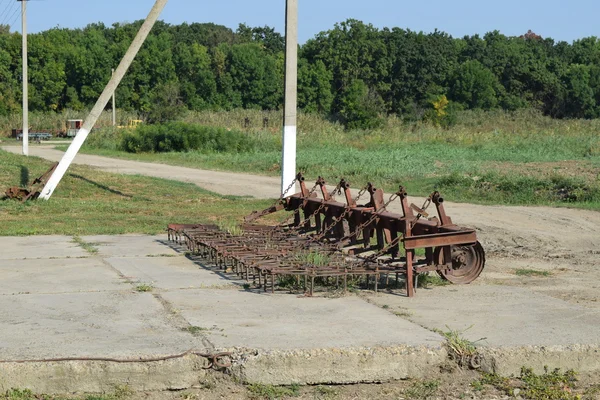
[{"x": 565, "y": 242}]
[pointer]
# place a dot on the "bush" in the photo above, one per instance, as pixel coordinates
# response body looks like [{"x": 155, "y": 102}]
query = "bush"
[{"x": 181, "y": 137}]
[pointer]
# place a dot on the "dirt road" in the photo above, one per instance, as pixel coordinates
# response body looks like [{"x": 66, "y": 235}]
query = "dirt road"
[{"x": 564, "y": 242}]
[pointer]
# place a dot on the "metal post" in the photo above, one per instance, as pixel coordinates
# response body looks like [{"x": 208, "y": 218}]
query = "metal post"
[
  {"x": 114, "y": 106},
  {"x": 103, "y": 100},
  {"x": 25, "y": 79},
  {"x": 288, "y": 162}
]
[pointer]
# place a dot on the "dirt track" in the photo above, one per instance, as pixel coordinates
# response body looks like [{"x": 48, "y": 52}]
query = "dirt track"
[{"x": 562, "y": 241}]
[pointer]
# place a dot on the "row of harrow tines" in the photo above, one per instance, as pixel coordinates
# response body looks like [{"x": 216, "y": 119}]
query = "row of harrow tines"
[{"x": 324, "y": 239}]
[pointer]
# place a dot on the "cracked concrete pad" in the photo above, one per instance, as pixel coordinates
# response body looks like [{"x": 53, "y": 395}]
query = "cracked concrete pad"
[
  {"x": 276, "y": 322},
  {"x": 112, "y": 324},
  {"x": 58, "y": 276},
  {"x": 505, "y": 316},
  {"x": 131, "y": 245},
  {"x": 169, "y": 273},
  {"x": 14, "y": 248}
]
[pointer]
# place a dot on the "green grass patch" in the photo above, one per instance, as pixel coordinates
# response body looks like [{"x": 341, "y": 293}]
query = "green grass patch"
[
  {"x": 428, "y": 280},
  {"x": 422, "y": 390},
  {"x": 532, "y": 272},
  {"x": 87, "y": 246},
  {"x": 121, "y": 393},
  {"x": 551, "y": 385},
  {"x": 144, "y": 287},
  {"x": 270, "y": 392},
  {"x": 92, "y": 202}
]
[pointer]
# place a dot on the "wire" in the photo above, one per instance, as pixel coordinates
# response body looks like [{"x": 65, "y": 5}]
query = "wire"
[
  {"x": 17, "y": 18},
  {"x": 5, "y": 13},
  {"x": 7, "y": 5},
  {"x": 11, "y": 15}
]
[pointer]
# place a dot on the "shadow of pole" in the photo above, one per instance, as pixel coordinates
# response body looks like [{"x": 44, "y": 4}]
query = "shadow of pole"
[{"x": 24, "y": 176}]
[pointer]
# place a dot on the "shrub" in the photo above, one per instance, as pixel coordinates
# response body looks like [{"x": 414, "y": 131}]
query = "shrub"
[{"x": 181, "y": 137}]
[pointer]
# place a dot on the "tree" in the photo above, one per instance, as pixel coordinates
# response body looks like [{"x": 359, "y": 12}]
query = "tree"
[
  {"x": 474, "y": 86},
  {"x": 361, "y": 107},
  {"x": 314, "y": 87}
]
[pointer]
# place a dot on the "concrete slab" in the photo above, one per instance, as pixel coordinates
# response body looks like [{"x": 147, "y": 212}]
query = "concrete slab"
[
  {"x": 130, "y": 245},
  {"x": 169, "y": 273},
  {"x": 505, "y": 316},
  {"x": 12, "y": 248},
  {"x": 112, "y": 324},
  {"x": 64, "y": 275},
  {"x": 264, "y": 321}
]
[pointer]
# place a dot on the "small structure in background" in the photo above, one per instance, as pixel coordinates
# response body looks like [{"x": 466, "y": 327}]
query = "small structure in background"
[{"x": 73, "y": 126}]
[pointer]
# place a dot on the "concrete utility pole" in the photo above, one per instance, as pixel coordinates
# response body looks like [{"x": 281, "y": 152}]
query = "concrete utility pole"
[
  {"x": 25, "y": 79},
  {"x": 103, "y": 100},
  {"x": 114, "y": 107},
  {"x": 288, "y": 162}
]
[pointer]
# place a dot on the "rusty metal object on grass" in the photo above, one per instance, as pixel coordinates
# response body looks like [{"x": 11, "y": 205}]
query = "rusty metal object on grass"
[
  {"x": 349, "y": 239},
  {"x": 34, "y": 190}
]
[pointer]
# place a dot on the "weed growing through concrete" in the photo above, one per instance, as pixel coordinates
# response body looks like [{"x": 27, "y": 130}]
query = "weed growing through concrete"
[
  {"x": 461, "y": 350},
  {"x": 162, "y": 255},
  {"x": 422, "y": 390},
  {"x": 551, "y": 385},
  {"x": 144, "y": 287},
  {"x": 531, "y": 272},
  {"x": 270, "y": 392},
  {"x": 87, "y": 246},
  {"x": 196, "y": 330}
]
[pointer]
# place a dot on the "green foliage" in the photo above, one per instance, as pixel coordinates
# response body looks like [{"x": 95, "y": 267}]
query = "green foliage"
[
  {"x": 551, "y": 385},
  {"x": 361, "y": 107},
  {"x": 422, "y": 390},
  {"x": 270, "y": 392},
  {"x": 178, "y": 137},
  {"x": 355, "y": 71}
]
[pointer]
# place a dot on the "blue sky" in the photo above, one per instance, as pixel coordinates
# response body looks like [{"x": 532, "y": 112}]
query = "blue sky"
[{"x": 559, "y": 19}]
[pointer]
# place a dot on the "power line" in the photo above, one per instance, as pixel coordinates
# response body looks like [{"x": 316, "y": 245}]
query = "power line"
[
  {"x": 13, "y": 14},
  {"x": 5, "y": 13},
  {"x": 16, "y": 19},
  {"x": 5, "y": 8}
]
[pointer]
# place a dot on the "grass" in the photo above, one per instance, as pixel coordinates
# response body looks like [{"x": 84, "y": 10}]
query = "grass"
[
  {"x": 532, "y": 272},
  {"x": 91, "y": 202},
  {"x": 120, "y": 393},
  {"x": 270, "y": 392},
  {"x": 422, "y": 390},
  {"x": 489, "y": 158},
  {"x": 428, "y": 280},
  {"x": 87, "y": 246},
  {"x": 144, "y": 287},
  {"x": 463, "y": 351},
  {"x": 196, "y": 330},
  {"x": 550, "y": 385}
]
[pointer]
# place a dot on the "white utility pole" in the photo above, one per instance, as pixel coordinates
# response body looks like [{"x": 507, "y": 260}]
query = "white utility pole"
[
  {"x": 103, "y": 100},
  {"x": 288, "y": 162},
  {"x": 114, "y": 107},
  {"x": 25, "y": 136}
]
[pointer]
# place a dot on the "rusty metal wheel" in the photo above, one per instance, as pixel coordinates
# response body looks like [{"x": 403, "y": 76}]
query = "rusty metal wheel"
[{"x": 467, "y": 263}]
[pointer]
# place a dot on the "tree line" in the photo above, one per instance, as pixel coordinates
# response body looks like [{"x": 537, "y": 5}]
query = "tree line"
[{"x": 355, "y": 72}]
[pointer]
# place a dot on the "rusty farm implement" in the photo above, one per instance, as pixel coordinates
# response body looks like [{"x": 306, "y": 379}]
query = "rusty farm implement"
[{"x": 337, "y": 241}]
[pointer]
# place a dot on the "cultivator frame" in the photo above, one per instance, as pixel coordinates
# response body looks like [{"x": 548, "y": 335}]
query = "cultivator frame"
[{"x": 344, "y": 232}]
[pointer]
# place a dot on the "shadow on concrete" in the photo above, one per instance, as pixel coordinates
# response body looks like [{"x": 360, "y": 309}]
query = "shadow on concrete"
[{"x": 100, "y": 186}]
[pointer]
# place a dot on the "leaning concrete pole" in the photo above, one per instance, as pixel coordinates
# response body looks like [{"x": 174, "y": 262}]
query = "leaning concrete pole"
[
  {"x": 93, "y": 116},
  {"x": 288, "y": 162}
]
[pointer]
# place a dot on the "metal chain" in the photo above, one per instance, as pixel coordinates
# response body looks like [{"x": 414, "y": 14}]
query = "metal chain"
[
  {"x": 373, "y": 217},
  {"x": 341, "y": 217}
]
